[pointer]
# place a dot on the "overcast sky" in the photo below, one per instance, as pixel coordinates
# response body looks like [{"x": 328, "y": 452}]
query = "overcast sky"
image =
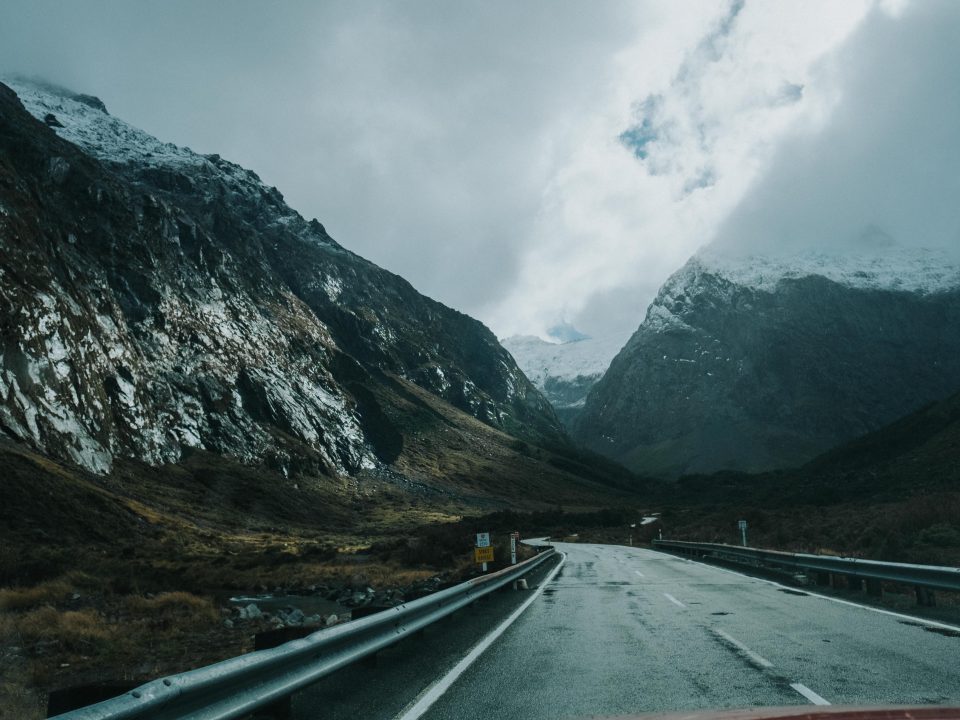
[{"x": 542, "y": 161}]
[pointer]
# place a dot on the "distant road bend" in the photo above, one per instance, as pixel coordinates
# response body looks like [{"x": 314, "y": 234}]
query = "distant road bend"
[{"x": 620, "y": 630}]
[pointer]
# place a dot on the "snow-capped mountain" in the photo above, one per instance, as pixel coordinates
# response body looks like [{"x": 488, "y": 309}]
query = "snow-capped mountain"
[
  {"x": 155, "y": 301},
  {"x": 564, "y": 371},
  {"x": 758, "y": 362}
]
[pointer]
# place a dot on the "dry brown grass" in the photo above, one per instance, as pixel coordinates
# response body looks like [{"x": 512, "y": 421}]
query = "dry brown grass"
[
  {"x": 76, "y": 630},
  {"x": 178, "y": 611},
  {"x": 50, "y": 592},
  {"x": 374, "y": 574},
  {"x": 24, "y": 598},
  {"x": 17, "y": 702}
]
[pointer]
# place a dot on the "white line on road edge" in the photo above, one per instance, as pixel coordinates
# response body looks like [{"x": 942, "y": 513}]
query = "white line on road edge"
[
  {"x": 759, "y": 660},
  {"x": 672, "y": 599},
  {"x": 915, "y": 618},
  {"x": 436, "y": 691},
  {"x": 809, "y": 694},
  {"x": 639, "y": 573}
]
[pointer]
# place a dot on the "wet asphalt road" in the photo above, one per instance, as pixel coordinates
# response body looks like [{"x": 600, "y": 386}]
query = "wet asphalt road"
[{"x": 621, "y": 630}]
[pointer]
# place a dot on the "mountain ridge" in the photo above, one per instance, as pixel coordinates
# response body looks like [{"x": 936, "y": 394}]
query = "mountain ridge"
[
  {"x": 160, "y": 300},
  {"x": 748, "y": 371}
]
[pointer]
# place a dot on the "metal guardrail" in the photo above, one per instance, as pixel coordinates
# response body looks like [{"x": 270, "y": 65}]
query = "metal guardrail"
[
  {"x": 929, "y": 576},
  {"x": 236, "y": 687}
]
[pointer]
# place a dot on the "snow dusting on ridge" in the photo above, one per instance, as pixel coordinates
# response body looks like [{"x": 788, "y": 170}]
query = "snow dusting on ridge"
[
  {"x": 540, "y": 359},
  {"x": 95, "y": 131},
  {"x": 918, "y": 270}
]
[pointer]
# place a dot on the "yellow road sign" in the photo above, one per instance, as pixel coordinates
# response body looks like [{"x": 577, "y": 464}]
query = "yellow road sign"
[{"x": 483, "y": 554}]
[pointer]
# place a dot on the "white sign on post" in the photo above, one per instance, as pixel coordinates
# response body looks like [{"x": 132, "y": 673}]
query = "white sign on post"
[
  {"x": 483, "y": 539},
  {"x": 513, "y": 548}
]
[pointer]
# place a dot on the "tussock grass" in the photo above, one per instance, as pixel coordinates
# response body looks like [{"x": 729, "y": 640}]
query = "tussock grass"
[
  {"x": 77, "y": 630},
  {"x": 175, "y": 611},
  {"x": 50, "y": 592},
  {"x": 24, "y": 598}
]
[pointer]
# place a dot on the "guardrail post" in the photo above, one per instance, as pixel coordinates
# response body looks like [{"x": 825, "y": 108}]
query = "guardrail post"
[
  {"x": 925, "y": 597},
  {"x": 874, "y": 587},
  {"x": 823, "y": 578},
  {"x": 854, "y": 582}
]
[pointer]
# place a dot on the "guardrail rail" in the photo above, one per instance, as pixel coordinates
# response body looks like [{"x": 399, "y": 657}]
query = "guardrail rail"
[
  {"x": 240, "y": 685},
  {"x": 923, "y": 577}
]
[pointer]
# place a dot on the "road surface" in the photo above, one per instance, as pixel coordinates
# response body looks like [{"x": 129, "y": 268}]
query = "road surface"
[{"x": 619, "y": 630}]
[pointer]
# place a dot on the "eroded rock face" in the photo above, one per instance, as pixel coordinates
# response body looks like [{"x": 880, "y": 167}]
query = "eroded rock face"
[
  {"x": 767, "y": 364},
  {"x": 155, "y": 300}
]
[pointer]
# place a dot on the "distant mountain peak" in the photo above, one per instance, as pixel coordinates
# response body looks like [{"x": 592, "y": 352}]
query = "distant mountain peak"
[{"x": 564, "y": 372}]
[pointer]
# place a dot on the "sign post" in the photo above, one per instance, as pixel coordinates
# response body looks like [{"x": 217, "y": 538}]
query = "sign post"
[
  {"x": 514, "y": 536},
  {"x": 483, "y": 553},
  {"x": 742, "y": 524}
]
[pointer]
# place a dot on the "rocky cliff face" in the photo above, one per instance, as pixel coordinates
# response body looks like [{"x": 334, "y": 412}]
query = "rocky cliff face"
[
  {"x": 153, "y": 301},
  {"x": 757, "y": 363}
]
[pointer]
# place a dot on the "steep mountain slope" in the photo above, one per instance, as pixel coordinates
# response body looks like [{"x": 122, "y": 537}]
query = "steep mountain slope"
[
  {"x": 892, "y": 494},
  {"x": 564, "y": 371},
  {"x": 915, "y": 454},
  {"x": 913, "y": 457},
  {"x": 154, "y": 302},
  {"x": 759, "y": 363}
]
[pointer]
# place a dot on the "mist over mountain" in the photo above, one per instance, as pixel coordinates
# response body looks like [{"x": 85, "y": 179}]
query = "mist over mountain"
[
  {"x": 879, "y": 170},
  {"x": 564, "y": 371}
]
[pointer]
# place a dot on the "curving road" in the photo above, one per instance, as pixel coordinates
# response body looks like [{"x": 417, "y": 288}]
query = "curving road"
[{"x": 621, "y": 630}]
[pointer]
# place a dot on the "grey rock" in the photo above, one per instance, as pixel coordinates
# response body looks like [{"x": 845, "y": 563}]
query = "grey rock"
[
  {"x": 250, "y": 612},
  {"x": 723, "y": 375},
  {"x": 196, "y": 310}
]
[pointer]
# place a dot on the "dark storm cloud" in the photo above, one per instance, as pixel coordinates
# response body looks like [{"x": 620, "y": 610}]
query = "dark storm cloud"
[
  {"x": 883, "y": 171},
  {"x": 418, "y": 133}
]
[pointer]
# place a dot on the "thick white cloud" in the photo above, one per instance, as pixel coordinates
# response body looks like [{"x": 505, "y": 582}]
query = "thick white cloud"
[
  {"x": 475, "y": 148},
  {"x": 613, "y": 225},
  {"x": 883, "y": 171},
  {"x": 421, "y": 134}
]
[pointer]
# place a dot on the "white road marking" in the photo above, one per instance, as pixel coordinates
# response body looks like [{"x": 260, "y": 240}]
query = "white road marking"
[
  {"x": 639, "y": 573},
  {"x": 672, "y": 599},
  {"x": 922, "y": 621},
  {"x": 809, "y": 694},
  {"x": 435, "y": 691},
  {"x": 758, "y": 659}
]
